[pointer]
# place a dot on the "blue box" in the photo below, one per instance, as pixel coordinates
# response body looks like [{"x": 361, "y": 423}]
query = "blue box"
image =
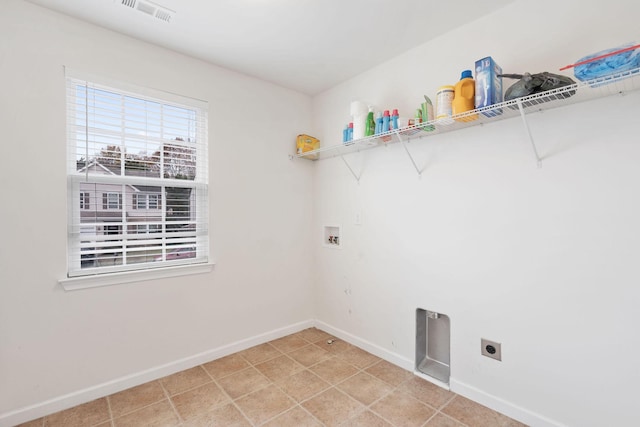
[{"x": 488, "y": 85}]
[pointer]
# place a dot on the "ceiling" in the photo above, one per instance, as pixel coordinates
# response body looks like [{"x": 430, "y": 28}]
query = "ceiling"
[{"x": 305, "y": 45}]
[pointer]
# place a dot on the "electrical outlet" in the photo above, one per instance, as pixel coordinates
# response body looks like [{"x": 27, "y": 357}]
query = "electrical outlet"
[
  {"x": 357, "y": 220},
  {"x": 491, "y": 349}
]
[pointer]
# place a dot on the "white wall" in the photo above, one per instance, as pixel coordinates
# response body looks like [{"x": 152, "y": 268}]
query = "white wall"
[
  {"x": 53, "y": 342},
  {"x": 542, "y": 260},
  {"x": 538, "y": 259}
]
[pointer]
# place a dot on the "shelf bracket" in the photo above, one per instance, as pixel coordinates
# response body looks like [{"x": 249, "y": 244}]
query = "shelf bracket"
[
  {"x": 526, "y": 128},
  {"x": 350, "y": 169},
  {"x": 406, "y": 149}
]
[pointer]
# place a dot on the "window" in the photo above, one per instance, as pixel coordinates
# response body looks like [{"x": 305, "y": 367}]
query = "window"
[
  {"x": 84, "y": 201},
  {"x": 145, "y": 228},
  {"x": 153, "y": 201},
  {"x": 141, "y": 155},
  {"x": 146, "y": 201},
  {"x": 111, "y": 201}
]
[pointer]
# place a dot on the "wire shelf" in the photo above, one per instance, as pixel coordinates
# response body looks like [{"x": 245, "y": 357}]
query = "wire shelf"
[{"x": 613, "y": 84}]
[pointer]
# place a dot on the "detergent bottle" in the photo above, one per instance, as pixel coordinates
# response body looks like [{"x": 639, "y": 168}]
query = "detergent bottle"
[
  {"x": 394, "y": 118},
  {"x": 370, "y": 124},
  {"x": 378, "y": 122},
  {"x": 464, "y": 97},
  {"x": 444, "y": 99}
]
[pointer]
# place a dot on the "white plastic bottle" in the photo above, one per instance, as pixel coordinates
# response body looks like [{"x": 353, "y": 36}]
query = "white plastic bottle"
[
  {"x": 444, "y": 99},
  {"x": 359, "y": 112}
]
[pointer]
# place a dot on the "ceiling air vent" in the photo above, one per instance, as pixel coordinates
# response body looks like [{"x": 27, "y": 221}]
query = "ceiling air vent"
[{"x": 150, "y": 8}]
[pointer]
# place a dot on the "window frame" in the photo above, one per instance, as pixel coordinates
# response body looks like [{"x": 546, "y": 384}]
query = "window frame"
[
  {"x": 112, "y": 201},
  {"x": 77, "y": 277},
  {"x": 156, "y": 201},
  {"x": 85, "y": 200}
]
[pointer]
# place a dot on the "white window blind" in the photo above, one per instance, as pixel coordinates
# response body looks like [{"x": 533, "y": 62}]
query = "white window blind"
[{"x": 137, "y": 178}]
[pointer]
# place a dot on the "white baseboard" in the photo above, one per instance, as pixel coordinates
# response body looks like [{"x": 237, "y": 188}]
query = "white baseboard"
[
  {"x": 372, "y": 348},
  {"x": 507, "y": 408},
  {"x": 504, "y": 407},
  {"x": 432, "y": 380},
  {"x": 88, "y": 394},
  {"x": 60, "y": 403}
]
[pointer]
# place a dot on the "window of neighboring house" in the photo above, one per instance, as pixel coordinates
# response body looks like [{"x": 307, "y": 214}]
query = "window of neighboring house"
[
  {"x": 153, "y": 201},
  {"x": 147, "y": 228},
  {"x": 112, "y": 201},
  {"x": 146, "y": 201},
  {"x": 139, "y": 201},
  {"x": 143, "y": 153},
  {"x": 84, "y": 201}
]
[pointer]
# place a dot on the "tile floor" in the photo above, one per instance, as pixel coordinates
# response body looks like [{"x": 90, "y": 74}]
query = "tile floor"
[{"x": 299, "y": 380}]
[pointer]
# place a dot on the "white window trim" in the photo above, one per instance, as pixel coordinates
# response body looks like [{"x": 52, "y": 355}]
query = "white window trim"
[
  {"x": 108, "y": 279},
  {"x": 71, "y": 283}
]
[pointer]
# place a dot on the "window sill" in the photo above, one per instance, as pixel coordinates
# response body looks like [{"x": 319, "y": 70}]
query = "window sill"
[{"x": 85, "y": 282}]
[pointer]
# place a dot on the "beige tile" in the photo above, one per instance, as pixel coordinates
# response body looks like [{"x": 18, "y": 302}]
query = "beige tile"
[
  {"x": 226, "y": 365},
  {"x": 441, "y": 420},
  {"x": 402, "y": 410},
  {"x": 135, "y": 398},
  {"x": 358, "y": 357},
  {"x": 33, "y": 423},
  {"x": 243, "y": 382},
  {"x": 225, "y": 416},
  {"x": 334, "y": 370},
  {"x": 303, "y": 385},
  {"x": 159, "y": 414},
  {"x": 199, "y": 401},
  {"x": 87, "y": 414},
  {"x": 366, "y": 419},
  {"x": 389, "y": 373},
  {"x": 289, "y": 343},
  {"x": 333, "y": 407},
  {"x": 185, "y": 380},
  {"x": 105, "y": 424},
  {"x": 279, "y": 368},
  {"x": 426, "y": 392},
  {"x": 309, "y": 355},
  {"x": 296, "y": 417},
  {"x": 475, "y": 415},
  {"x": 264, "y": 404},
  {"x": 314, "y": 335},
  {"x": 365, "y": 388},
  {"x": 260, "y": 353}
]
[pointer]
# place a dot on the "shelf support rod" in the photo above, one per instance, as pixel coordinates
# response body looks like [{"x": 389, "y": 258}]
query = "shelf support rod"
[
  {"x": 350, "y": 169},
  {"x": 526, "y": 127},
  {"x": 409, "y": 154}
]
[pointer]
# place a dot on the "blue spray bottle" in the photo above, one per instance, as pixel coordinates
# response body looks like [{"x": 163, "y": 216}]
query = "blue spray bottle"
[{"x": 394, "y": 118}]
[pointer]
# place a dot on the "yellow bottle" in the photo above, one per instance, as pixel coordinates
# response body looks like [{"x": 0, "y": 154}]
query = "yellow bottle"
[{"x": 464, "y": 97}]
